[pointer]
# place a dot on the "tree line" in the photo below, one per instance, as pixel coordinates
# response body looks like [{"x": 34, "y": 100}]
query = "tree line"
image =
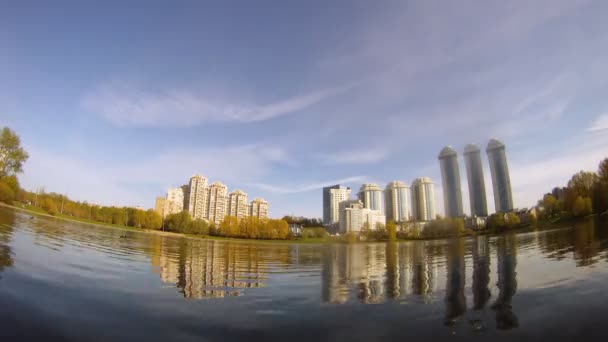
[
  {"x": 248, "y": 227},
  {"x": 586, "y": 193}
]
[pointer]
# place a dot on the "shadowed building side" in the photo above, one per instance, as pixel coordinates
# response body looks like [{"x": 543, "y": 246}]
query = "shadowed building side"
[
  {"x": 450, "y": 178},
  {"x": 501, "y": 181},
  {"x": 475, "y": 179}
]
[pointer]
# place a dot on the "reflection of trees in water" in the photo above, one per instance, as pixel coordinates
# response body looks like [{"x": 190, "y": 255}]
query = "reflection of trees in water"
[
  {"x": 586, "y": 245},
  {"x": 7, "y": 221},
  {"x": 455, "y": 301},
  {"x": 583, "y": 242},
  {"x": 506, "y": 250}
]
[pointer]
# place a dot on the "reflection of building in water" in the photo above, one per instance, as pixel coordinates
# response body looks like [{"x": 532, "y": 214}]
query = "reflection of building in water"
[
  {"x": 424, "y": 272},
  {"x": 506, "y": 250},
  {"x": 405, "y": 269},
  {"x": 481, "y": 272},
  {"x": 455, "y": 301},
  {"x": 211, "y": 269},
  {"x": 361, "y": 267}
]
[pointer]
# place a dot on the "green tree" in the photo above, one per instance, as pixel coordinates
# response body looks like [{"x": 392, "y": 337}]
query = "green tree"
[
  {"x": 602, "y": 171},
  {"x": 199, "y": 227},
  {"x": 178, "y": 222},
  {"x": 582, "y": 183},
  {"x": 152, "y": 220},
  {"x": 511, "y": 220},
  {"x": 12, "y": 155},
  {"x": 7, "y": 195},
  {"x": 549, "y": 204},
  {"x": 49, "y": 205}
]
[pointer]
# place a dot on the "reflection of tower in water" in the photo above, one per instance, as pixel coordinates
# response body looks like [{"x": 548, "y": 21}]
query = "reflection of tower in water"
[
  {"x": 481, "y": 272},
  {"x": 506, "y": 250},
  {"x": 455, "y": 301}
]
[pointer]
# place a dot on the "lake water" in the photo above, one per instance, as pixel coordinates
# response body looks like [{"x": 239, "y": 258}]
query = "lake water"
[{"x": 67, "y": 281}]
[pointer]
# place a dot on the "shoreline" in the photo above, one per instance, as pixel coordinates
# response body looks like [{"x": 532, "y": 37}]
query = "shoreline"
[
  {"x": 522, "y": 229},
  {"x": 158, "y": 232}
]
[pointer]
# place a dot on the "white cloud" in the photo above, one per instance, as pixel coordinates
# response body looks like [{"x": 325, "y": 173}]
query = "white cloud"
[
  {"x": 355, "y": 156},
  {"x": 126, "y": 105},
  {"x": 600, "y": 124},
  {"x": 137, "y": 182},
  {"x": 306, "y": 187}
]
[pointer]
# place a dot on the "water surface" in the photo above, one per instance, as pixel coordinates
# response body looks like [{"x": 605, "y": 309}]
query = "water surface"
[{"x": 69, "y": 281}]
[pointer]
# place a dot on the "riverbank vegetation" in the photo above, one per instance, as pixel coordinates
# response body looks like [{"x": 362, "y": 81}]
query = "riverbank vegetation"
[{"x": 586, "y": 193}]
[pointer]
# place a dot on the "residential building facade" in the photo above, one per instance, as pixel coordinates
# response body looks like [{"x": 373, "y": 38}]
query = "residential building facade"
[
  {"x": 397, "y": 201},
  {"x": 159, "y": 206},
  {"x": 423, "y": 199},
  {"x": 238, "y": 204},
  {"x": 259, "y": 208},
  {"x": 354, "y": 216},
  {"x": 371, "y": 196},
  {"x": 198, "y": 197},
  {"x": 475, "y": 180},
  {"x": 216, "y": 205},
  {"x": 332, "y": 196},
  {"x": 501, "y": 181},
  {"x": 450, "y": 179},
  {"x": 175, "y": 201}
]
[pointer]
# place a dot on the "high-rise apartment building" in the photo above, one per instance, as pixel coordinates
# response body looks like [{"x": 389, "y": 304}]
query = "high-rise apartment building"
[
  {"x": 477, "y": 185},
  {"x": 332, "y": 196},
  {"x": 423, "y": 199},
  {"x": 450, "y": 179},
  {"x": 175, "y": 201},
  {"x": 371, "y": 196},
  {"x": 197, "y": 197},
  {"x": 258, "y": 208},
  {"x": 501, "y": 181},
  {"x": 354, "y": 216},
  {"x": 159, "y": 206},
  {"x": 217, "y": 200},
  {"x": 237, "y": 204},
  {"x": 397, "y": 201}
]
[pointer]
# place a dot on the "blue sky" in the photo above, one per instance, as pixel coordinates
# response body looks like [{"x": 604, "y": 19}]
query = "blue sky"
[{"x": 118, "y": 100}]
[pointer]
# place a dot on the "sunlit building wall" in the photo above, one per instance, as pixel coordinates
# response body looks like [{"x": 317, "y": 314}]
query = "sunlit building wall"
[
  {"x": 354, "y": 216},
  {"x": 258, "y": 208},
  {"x": 397, "y": 201},
  {"x": 159, "y": 206},
  {"x": 197, "y": 197},
  {"x": 238, "y": 204},
  {"x": 217, "y": 200},
  {"x": 332, "y": 196},
  {"x": 371, "y": 196},
  {"x": 423, "y": 199},
  {"x": 175, "y": 201}
]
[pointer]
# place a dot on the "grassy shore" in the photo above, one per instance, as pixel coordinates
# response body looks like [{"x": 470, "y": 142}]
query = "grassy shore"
[
  {"x": 557, "y": 222},
  {"x": 40, "y": 212}
]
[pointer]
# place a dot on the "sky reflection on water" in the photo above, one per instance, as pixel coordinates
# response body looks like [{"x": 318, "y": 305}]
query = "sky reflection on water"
[{"x": 60, "y": 275}]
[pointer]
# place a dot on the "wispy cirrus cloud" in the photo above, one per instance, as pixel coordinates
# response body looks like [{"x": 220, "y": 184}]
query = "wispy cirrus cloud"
[
  {"x": 600, "y": 123},
  {"x": 124, "y": 104},
  {"x": 285, "y": 189},
  {"x": 354, "y": 156}
]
